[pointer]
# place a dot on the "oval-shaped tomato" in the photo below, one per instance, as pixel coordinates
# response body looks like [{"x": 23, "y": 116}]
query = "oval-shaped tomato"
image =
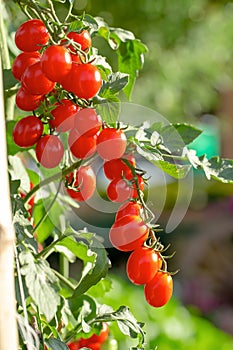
[
  {"x": 63, "y": 115},
  {"x": 87, "y": 122},
  {"x": 35, "y": 82},
  {"x": 49, "y": 151},
  {"x": 22, "y": 61},
  {"x": 56, "y": 62},
  {"x": 83, "y": 39},
  {"x": 81, "y": 146},
  {"x": 142, "y": 265},
  {"x": 128, "y": 233},
  {"x": 119, "y": 191},
  {"x": 84, "y": 80},
  {"x": 111, "y": 143},
  {"x": 31, "y": 35},
  {"x": 84, "y": 180},
  {"x": 27, "y": 131},
  {"x": 27, "y": 102},
  {"x": 130, "y": 208},
  {"x": 117, "y": 168},
  {"x": 159, "y": 290}
]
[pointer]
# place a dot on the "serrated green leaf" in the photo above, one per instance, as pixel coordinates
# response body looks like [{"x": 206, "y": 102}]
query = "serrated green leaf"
[
  {"x": 41, "y": 282},
  {"x": 178, "y": 171},
  {"x": 100, "y": 269},
  {"x": 130, "y": 61},
  {"x": 176, "y": 136},
  {"x": 84, "y": 308},
  {"x": 23, "y": 231},
  {"x": 108, "y": 106},
  {"x": 56, "y": 344},
  {"x": 116, "y": 82},
  {"x": 9, "y": 80}
]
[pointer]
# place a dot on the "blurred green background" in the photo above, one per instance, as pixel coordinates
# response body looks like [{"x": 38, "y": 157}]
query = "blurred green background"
[{"x": 187, "y": 77}]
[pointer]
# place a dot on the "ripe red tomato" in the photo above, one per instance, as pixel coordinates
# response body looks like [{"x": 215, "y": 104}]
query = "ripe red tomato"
[
  {"x": 76, "y": 59},
  {"x": 142, "y": 265},
  {"x": 26, "y": 101},
  {"x": 56, "y": 62},
  {"x": 111, "y": 143},
  {"x": 119, "y": 191},
  {"x": 74, "y": 345},
  {"x": 83, "y": 39},
  {"x": 84, "y": 343},
  {"x": 159, "y": 290},
  {"x": 81, "y": 146},
  {"x": 84, "y": 80},
  {"x": 27, "y": 131},
  {"x": 117, "y": 168},
  {"x": 35, "y": 81},
  {"x": 22, "y": 61},
  {"x": 49, "y": 151},
  {"x": 84, "y": 181},
  {"x": 63, "y": 115},
  {"x": 95, "y": 338},
  {"x": 128, "y": 233},
  {"x": 130, "y": 208},
  {"x": 87, "y": 122},
  {"x": 31, "y": 35}
]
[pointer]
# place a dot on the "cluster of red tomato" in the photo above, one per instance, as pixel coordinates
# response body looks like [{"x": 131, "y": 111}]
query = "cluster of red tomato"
[
  {"x": 93, "y": 343},
  {"x": 42, "y": 67}
]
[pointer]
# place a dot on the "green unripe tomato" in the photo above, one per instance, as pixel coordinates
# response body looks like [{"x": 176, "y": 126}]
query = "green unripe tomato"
[{"x": 109, "y": 344}]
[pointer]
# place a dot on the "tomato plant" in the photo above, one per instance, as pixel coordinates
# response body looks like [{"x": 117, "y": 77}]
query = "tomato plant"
[{"x": 74, "y": 126}]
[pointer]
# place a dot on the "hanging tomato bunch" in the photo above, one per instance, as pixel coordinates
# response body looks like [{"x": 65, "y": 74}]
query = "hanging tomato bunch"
[{"x": 57, "y": 83}]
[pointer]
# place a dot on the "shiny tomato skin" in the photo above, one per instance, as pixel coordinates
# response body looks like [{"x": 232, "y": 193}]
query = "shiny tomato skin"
[
  {"x": 27, "y": 131},
  {"x": 63, "y": 115},
  {"x": 119, "y": 191},
  {"x": 111, "y": 143},
  {"x": 85, "y": 181},
  {"x": 22, "y": 61},
  {"x": 83, "y": 39},
  {"x": 35, "y": 82},
  {"x": 117, "y": 168},
  {"x": 128, "y": 233},
  {"x": 74, "y": 345},
  {"x": 142, "y": 265},
  {"x": 56, "y": 62},
  {"x": 26, "y": 101},
  {"x": 81, "y": 146},
  {"x": 84, "y": 80},
  {"x": 129, "y": 208},
  {"x": 31, "y": 35},
  {"x": 159, "y": 290},
  {"x": 49, "y": 151},
  {"x": 87, "y": 122}
]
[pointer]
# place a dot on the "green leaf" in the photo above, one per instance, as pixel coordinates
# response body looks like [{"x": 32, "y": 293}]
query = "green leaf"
[
  {"x": 178, "y": 171},
  {"x": 23, "y": 232},
  {"x": 108, "y": 106},
  {"x": 126, "y": 322},
  {"x": 41, "y": 282},
  {"x": 80, "y": 250},
  {"x": 130, "y": 61},
  {"x": 176, "y": 136},
  {"x": 46, "y": 227},
  {"x": 56, "y": 344},
  {"x": 9, "y": 80},
  {"x": 18, "y": 172},
  {"x": 116, "y": 82},
  {"x": 33, "y": 176},
  {"x": 100, "y": 269},
  {"x": 101, "y": 288},
  {"x": 103, "y": 66},
  {"x": 12, "y": 148},
  {"x": 84, "y": 308}
]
